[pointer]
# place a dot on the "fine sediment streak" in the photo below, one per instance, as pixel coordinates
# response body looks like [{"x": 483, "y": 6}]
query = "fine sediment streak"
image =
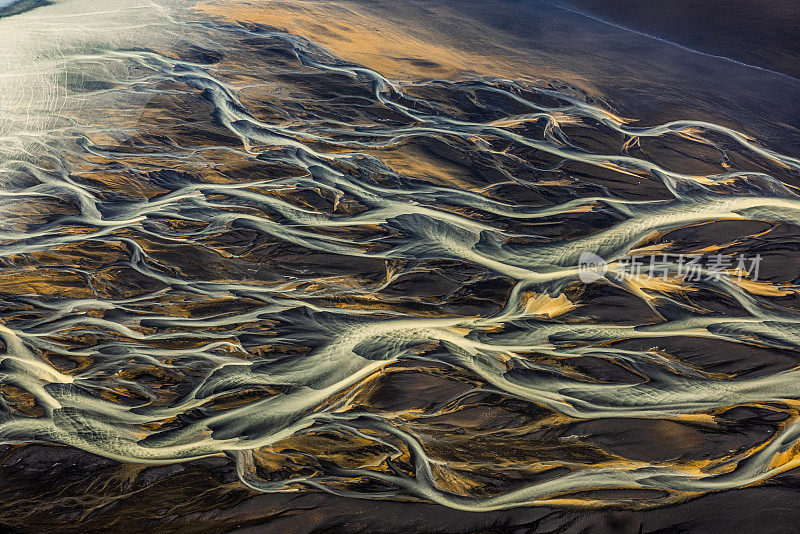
[{"x": 233, "y": 242}]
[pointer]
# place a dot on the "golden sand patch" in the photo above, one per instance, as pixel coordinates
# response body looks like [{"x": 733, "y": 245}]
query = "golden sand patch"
[
  {"x": 399, "y": 44},
  {"x": 542, "y": 304},
  {"x": 765, "y": 289}
]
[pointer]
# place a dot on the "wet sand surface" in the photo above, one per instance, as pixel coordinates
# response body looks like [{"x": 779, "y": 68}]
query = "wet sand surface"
[
  {"x": 321, "y": 267},
  {"x": 202, "y": 497},
  {"x": 647, "y": 79},
  {"x": 760, "y": 35}
]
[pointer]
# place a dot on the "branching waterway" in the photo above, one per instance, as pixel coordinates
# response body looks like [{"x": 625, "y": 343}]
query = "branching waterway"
[{"x": 232, "y": 242}]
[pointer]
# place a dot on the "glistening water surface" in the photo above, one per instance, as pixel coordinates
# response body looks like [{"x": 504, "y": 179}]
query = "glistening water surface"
[{"x": 221, "y": 239}]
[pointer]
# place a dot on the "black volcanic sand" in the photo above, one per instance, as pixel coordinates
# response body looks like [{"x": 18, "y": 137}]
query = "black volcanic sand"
[
  {"x": 22, "y": 6},
  {"x": 756, "y": 33},
  {"x": 59, "y": 489},
  {"x": 496, "y": 438},
  {"x": 648, "y": 79}
]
